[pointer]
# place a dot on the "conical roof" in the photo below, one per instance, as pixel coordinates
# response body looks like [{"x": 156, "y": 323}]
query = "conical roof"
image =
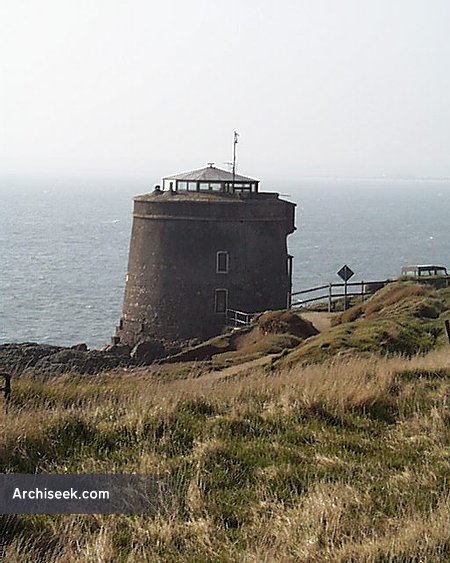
[{"x": 210, "y": 174}]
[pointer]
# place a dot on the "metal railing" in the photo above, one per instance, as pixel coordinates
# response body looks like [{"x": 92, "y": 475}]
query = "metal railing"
[
  {"x": 329, "y": 293},
  {"x": 238, "y": 318},
  {"x": 333, "y": 291}
]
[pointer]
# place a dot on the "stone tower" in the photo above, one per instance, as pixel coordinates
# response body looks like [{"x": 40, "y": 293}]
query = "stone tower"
[{"x": 206, "y": 243}]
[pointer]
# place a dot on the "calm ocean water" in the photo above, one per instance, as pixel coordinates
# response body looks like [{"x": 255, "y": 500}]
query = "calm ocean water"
[{"x": 63, "y": 252}]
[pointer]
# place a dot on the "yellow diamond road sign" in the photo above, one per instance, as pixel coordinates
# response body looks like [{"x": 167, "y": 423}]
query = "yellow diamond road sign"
[{"x": 345, "y": 273}]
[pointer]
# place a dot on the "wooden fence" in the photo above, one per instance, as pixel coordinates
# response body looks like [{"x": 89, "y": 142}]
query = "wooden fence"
[
  {"x": 327, "y": 292},
  {"x": 332, "y": 291}
]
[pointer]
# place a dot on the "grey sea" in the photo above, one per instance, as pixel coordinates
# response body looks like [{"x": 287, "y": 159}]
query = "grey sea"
[{"x": 63, "y": 250}]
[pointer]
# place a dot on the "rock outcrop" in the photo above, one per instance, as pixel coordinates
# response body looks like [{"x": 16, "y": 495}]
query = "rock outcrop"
[
  {"x": 45, "y": 359},
  {"x": 51, "y": 360}
]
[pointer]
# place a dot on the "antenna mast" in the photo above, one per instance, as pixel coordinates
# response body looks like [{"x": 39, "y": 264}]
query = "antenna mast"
[{"x": 235, "y": 142}]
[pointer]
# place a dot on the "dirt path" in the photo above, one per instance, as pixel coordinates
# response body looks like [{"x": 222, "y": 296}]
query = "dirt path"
[{"x": 321, "y": 321}]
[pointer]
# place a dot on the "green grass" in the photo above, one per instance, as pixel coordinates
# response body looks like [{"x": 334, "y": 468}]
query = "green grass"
[
  {"x": 337, "y": 452},
  {"x": 402, "y": 318},
  {"x": 314, "y": 463}
]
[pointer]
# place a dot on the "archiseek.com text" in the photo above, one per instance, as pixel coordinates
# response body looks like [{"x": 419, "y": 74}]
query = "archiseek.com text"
[{"x": 49, "y": 494}]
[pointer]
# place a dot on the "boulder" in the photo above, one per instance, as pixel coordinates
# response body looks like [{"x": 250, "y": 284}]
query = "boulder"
[
  {"x": 80, "y": 347},
  {"x": 147, "y": 351},
  {"x": 117, "y": 349}
]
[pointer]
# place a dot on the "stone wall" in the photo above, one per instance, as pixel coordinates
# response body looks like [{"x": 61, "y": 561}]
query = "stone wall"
[{"x": 172, "y": 279}]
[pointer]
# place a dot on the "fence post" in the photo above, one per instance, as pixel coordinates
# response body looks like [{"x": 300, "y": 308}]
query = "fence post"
[
  {"x": 447, "y": 328},
  {"x": 330, "y": 297},
  {"x": 362, "y": 291},
  {"x": 7, "y": 388}
]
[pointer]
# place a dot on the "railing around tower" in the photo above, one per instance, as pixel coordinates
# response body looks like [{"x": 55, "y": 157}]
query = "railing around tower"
[
  {"x": 331, "y": 291},
  {"x": 328, "y": 294},
  {"x": 238, "y": 318}
]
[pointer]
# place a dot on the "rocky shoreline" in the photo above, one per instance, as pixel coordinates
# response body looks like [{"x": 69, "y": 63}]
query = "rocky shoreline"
[
  {"x": 45, "y": 359},
  {"x": 48, "y": 360}
]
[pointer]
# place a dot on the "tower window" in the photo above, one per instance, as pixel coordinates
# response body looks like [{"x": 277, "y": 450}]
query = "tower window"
[
  {"x": 221, "y": 301},
  {"x": 222, "y": 260}
]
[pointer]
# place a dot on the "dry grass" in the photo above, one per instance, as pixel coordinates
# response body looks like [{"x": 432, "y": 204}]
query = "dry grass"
[
  {"x": 397, "y": 298},
  {"x": 286, "y": 322},
  {"x": 346, "y": 461},
  {"x": 402, "y": 318}
]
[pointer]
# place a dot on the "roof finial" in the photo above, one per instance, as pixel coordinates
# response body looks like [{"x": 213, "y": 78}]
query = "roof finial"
[{"x": 235, "y": 142}]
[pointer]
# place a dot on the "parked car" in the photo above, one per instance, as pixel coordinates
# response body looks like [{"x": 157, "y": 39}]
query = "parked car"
[{"x": 424, "y": 271}]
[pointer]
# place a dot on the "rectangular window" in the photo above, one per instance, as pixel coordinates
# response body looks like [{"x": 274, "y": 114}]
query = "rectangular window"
[
  {"x": 221, "y": 301},
  {"x": 222, "y": 262}
]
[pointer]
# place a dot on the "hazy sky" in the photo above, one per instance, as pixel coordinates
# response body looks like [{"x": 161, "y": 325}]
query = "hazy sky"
[{"x": 145, "y": 87}]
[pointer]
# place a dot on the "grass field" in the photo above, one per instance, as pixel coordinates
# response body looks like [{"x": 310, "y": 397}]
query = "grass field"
[
  {"x": 344, "y": 460},
  {"x": 402, "y": 318}
]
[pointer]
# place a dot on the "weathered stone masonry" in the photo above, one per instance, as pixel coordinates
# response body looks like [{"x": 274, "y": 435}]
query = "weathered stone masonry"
[{"x": 178, "y": 285}]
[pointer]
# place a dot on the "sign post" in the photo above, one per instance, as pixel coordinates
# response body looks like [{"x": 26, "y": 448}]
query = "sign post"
[{"x": 345, "y": 273}]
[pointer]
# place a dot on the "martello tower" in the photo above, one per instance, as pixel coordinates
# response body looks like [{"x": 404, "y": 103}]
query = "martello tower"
[{"x": 204, "y": 242}]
